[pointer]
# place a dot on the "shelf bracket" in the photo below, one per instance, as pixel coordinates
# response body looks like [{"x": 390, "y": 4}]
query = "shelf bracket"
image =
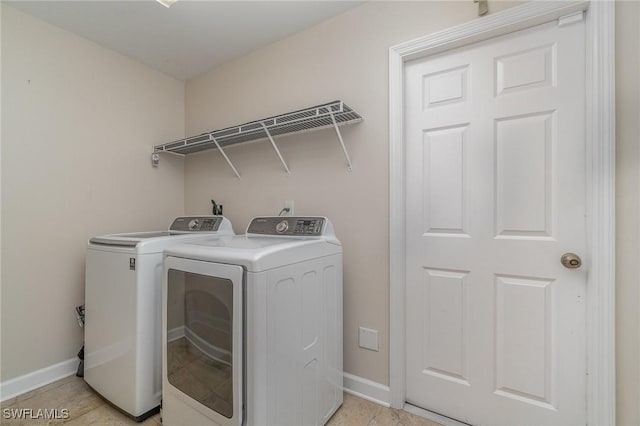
[
  {"x": 155, "y": 156},
  {"x": 224, "y": 154},
  {"x": 276, "y": 148},
  {"x": 344, "y": 148}
]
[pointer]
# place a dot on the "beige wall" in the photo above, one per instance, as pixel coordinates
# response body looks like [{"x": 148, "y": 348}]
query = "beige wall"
[
  {"x": 628, "y": 211},
  {"x": 343, "y": 58},
  {"x": 78, "y": 123}
]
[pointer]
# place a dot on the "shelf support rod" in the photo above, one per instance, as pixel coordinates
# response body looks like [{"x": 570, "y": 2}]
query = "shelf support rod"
[
  {"x": 273, "y": 143},
  {"x": 224, "y": 155},
  {"x": 344, "y": 148}
]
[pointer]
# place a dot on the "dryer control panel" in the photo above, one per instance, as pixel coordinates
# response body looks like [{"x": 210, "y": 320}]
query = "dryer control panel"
[
  {"x": 309, "y": 226},
  {"x": 196, "y": 224}
]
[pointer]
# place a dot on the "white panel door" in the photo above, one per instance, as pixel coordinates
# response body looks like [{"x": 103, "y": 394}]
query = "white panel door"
[{"x": 495, "y": 165}]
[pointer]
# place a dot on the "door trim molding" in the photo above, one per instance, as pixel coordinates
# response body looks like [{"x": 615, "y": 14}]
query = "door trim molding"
[{"x": 600, "y": 168}]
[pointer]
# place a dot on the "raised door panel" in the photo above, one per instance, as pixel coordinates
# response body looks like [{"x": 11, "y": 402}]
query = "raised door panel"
[
  {"x": 525, "y": 70},
  {"x": 444, "y": 180},
  {"x": 445, "y": 87},
  {"x": 524, "y": 339},
  {"x": 445, "y": 344},
  {"x": 524, "y": 175}
]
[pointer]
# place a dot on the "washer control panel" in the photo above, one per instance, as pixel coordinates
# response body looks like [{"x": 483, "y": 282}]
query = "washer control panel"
[
  {"x": 196, "y": 224},
  {"x": 289, "y": 225}
]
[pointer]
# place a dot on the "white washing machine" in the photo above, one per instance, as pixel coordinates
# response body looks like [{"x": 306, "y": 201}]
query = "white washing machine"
[
  {"x": 123, "y": 300},
  {"x": 252, "y": 326}
]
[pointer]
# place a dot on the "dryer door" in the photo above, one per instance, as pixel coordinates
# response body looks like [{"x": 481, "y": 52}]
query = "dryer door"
[{"x": 203, "y": 338}]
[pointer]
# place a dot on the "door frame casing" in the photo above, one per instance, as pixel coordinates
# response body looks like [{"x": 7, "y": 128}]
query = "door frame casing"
[{"x": 600, "y": 186}]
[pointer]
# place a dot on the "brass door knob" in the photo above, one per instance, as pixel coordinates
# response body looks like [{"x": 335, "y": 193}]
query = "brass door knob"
[{"x": 571, "y": 260}]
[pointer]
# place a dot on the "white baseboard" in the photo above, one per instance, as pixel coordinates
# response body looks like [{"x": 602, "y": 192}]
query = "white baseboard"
[
  {"x": 367, "y": 389},
  {"x": 23, "y": 384}
]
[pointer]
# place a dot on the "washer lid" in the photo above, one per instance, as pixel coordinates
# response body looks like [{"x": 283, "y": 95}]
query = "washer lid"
[
  {"x": 183, "y": 229},
  {"x": 129, "y": 240}
]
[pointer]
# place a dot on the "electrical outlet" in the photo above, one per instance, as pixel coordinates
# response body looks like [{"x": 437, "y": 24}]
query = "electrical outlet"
[
  {"x": 289, "y": 205},
  {"x": 368, "y": 338}
]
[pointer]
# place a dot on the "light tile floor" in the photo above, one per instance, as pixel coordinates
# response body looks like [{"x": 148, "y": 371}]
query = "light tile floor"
[{"x": 86, "y": 408}]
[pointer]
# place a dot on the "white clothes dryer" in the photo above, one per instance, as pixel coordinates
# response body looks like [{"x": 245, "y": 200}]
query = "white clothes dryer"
[
  {"x": 123, "y": 300},
  {"x": 252, "y": 326}
]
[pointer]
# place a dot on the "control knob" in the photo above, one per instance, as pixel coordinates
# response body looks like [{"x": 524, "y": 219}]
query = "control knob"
[
  {"x": 282, "y": 227},
  {"x": 194, "y": 225}
]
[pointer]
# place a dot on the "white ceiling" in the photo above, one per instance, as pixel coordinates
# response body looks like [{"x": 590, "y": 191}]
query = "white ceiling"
[{"x": 189, "y": 38}]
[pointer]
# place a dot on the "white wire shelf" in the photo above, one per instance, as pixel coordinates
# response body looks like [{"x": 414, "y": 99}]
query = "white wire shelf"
[{"x": 332, "y": 114}]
